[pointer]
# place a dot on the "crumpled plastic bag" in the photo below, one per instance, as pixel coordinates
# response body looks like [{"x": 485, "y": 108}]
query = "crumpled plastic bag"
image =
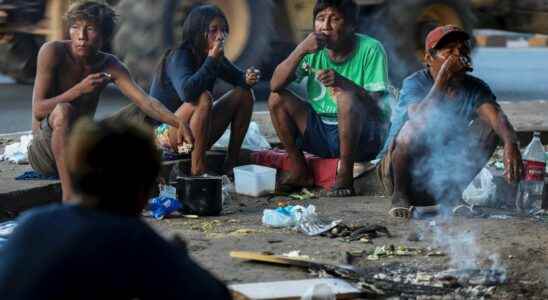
[
  {"x": 165, "y": 204},
  {"x": 303, "y": 219},
  {"x": 253, "y": 140},
  {"x": 481, "y": 191},
  {"x": 18, "y": 152}
]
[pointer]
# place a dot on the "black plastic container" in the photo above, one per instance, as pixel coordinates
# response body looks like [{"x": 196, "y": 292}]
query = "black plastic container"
[{"x": 200, "y": 195}]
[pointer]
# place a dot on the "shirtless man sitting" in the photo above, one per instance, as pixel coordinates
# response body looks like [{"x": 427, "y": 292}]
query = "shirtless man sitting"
[{"x": 71, "y": 74}]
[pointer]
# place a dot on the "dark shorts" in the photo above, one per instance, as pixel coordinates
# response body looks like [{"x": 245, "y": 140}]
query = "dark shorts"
[
  {"x": 40, "y": 154},
  {"x": 322, "y": 139}
]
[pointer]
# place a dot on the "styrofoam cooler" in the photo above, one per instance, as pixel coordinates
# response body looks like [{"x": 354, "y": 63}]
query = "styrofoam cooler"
[{"x": 254, "y": 180}]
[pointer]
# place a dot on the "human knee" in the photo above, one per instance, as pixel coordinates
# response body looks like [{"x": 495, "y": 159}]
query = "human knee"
[
  {"x": 246, "y": 96},
  {"x": 61, "y": 115},
  {"x": 205, "y": 101},
  {"x": 275, "y": 101},
  {"x": 346, "y": 103}
]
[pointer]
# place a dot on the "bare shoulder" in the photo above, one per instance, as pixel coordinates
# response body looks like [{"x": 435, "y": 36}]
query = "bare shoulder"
[{"x": 52, "y": 52}]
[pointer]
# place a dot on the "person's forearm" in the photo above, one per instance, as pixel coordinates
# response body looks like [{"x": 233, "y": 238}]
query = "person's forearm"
[
  {"x": 285, "y": 70},
  {"x": 157, "y": 111},
  {"x": 45, "y": 106},
  {"x": 505, "y": 130}
]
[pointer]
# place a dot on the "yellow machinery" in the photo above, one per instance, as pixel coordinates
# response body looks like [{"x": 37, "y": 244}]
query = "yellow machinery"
[{"x": 262, "y": 32}]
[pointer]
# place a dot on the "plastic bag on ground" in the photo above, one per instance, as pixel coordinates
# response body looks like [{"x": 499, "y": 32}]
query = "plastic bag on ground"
[
  {"x": 228, "y": 187},
  {"x": 17, "y": 152},
  {"x": 253, "y": 140},
  {"x": 481, "y": 190},
  {"x": 298, "y": 217},
  {"x": 165, "y": 204}
]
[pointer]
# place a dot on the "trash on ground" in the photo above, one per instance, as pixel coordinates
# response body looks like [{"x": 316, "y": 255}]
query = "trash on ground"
[
  {"x": 165, "y": 204},
  {"x": 355, "y": 232},
  {"x": 481, "y": 191},
  {"x": 391, "y": 251},
  {"x": 17, "y": 152},
  {"x": 254, "y": 140},
  {"x": 296, "y": 289},
  {"x": 296, "y": 254},
  {"x": 227, "y": 189},
  {"x": 254, "y": 180},
  {"x": 305, "y": 194},
  {"x": 298, "y": 217}
]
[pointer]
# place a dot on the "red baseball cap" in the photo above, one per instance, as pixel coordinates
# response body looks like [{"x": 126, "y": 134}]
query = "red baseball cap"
[{"x": 437, "y": 34}]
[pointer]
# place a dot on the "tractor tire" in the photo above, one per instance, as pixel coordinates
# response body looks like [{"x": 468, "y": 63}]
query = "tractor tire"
[
  {"x": 402, "y": 27},
  {"x": 149, "y": 27},
  {"x": 18, "y": 57}
]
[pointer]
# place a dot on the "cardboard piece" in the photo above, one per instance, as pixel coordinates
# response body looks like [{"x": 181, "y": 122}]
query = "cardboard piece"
[{"x": 292, "y": 289}]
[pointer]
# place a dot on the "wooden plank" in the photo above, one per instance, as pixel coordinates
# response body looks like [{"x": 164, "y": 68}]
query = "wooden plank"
[
  {"x": 269, "y": 258},
  {"x": 292, "y": 289}
]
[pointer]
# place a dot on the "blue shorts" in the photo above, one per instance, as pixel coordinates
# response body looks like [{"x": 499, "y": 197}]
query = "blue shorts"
[{"x": 322, "y": 139}]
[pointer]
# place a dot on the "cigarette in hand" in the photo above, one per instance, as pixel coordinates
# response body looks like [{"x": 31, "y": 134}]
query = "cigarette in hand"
[{"x": 107, "y": 75}]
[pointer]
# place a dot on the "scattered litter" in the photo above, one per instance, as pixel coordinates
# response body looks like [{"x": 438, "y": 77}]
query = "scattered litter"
[
  {"x": 298, "y": 217},
  {"x": 296, "y": 254},
  {"x": 17, "y": 152},
  {"x": 33, "y": 175},
  {"x": 165, "y": 204},
  {"x": 228, "y": 187},
  {"x": 274, "y": 241},
  {"x": 500, "y": 217},
  {"x": 363, "y": 233},
  {"x": 481, "y": 191},
  {"x": 191, "y": 216},
  {"x": 305, "y": 194},
  {"x": 391, "y": 251}
]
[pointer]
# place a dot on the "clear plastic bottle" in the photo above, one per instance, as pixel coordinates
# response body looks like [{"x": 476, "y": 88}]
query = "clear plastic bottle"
[{"x": 530, "y": 188}]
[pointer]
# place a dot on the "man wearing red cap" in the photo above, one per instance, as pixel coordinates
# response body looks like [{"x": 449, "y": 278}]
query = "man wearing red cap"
[{"x": 444, "y": 129}]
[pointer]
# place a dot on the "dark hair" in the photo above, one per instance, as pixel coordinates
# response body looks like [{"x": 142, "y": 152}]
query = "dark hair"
[
  {"x": 194, "y": 32},
  {"x": 98, "y": 12},
  {"x": 348, "y": 8},
  {"x": 112, "y": 162}
]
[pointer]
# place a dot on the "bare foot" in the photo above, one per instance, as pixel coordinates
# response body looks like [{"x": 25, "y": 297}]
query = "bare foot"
[{"x": 297, "y": 178}]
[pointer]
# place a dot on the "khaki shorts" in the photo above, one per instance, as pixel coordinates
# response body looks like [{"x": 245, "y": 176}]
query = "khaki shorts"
[{"x": 40, "y": 154}]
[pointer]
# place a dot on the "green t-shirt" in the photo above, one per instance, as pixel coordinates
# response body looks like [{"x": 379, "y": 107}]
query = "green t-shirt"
[{"x": 366, "y": 67}]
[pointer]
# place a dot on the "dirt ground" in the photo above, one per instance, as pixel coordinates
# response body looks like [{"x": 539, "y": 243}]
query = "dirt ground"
[{"x": 520, "y": 242}]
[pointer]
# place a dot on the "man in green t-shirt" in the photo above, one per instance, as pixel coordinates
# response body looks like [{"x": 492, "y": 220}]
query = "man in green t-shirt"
[{"x": 347, "y": 108}]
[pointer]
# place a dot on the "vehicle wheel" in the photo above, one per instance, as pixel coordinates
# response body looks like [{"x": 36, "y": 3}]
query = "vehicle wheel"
[
  {"x": 141, "y": 39},
  {"x": 18, "y": 57},
  {"x": 402, "y": 28}
]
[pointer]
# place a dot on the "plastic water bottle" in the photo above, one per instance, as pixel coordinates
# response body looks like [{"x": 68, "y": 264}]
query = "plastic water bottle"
[{"x": 531, "y": 186}]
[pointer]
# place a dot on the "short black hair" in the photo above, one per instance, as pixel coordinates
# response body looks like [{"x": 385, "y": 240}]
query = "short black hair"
[
  {"x": 348, "y": 8},
  {"x": 98, "y": 12},
  {"x": 112, "y": 162}
]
